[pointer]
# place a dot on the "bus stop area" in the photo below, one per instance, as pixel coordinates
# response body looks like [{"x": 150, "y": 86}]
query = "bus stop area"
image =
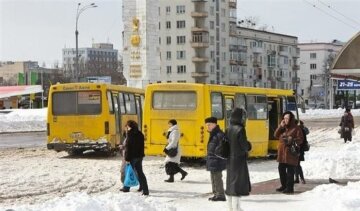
[{"x": 269, "y": 187}]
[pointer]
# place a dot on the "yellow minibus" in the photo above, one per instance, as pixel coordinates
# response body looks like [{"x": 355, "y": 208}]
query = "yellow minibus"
[
  {"x": 90, "y": 116},
  {"x": 191, "y": 103}
]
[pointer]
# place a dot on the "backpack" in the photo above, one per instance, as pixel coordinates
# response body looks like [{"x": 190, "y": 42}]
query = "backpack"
[{"x": 222, "y": 150}]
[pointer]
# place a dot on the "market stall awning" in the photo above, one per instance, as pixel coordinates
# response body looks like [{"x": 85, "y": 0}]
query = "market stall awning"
[{"x": 9, "y": 91}]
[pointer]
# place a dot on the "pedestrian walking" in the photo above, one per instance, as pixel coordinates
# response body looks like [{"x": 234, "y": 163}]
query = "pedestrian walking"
[
  {"x": 237, "y": 172},
  {"x": 215, "y": 164},
  {"x": 347, "y": 125},
  {"x": 290, "y": 137},
  {"x": 172, "y": 163},
  {"x": 134, "y": 154}
]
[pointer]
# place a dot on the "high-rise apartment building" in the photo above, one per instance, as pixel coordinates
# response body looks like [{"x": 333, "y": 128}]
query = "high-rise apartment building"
[
  {"x": 263, "y": 59},
  {"x": 194, "y": 40}
]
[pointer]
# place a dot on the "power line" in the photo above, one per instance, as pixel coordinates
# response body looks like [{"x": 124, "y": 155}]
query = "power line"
[
  {"x": 313, "y": 5},
  {"x": 328, "y": 6}
]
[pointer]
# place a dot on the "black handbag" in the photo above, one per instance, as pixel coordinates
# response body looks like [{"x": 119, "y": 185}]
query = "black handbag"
[
  {"x": 294, "y": 149},
  {"x": 172, "y": 152}
]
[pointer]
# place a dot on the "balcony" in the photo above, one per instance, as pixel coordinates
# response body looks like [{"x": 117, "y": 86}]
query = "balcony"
[
  {"x": 199, "y": 1},
  {"x": 200, "y": 40},
  {"x": 232, "y": 19},
  {"x": 199, "y": 14},
  {"x": 256, "y": 63},
  {"x": 200, "y": 59},
  {"x": 295, "y": 80},
  {"x": 283, "y": 53},
  {"x": 233, "y": 62},
  {"x": 296, "y": 67},
  {"x": 242, "y": 63},
  {"x": 232, "y": 4},
  {"x": 199, "y": 29},
  {"x": 257, "y": 50},
  {"x": 279, "y": 78},
  {"x": 199, "y": 74}
]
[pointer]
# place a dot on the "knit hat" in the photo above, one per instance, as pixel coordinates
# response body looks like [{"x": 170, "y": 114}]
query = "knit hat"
[
  {"x": 211, "y": 120},
  {"x": 173, "y": 121}
]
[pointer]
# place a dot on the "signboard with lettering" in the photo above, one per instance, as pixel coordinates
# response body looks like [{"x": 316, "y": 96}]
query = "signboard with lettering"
[{"x": 348, "y": 85}]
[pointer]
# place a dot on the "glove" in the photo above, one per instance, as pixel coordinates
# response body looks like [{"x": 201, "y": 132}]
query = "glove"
[{"x": 165, "y": 150}]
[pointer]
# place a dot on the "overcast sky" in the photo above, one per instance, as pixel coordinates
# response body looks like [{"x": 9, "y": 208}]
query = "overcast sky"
[{"x": 38, "y": 29}]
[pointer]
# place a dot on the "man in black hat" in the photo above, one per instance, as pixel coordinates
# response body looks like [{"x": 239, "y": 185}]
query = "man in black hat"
[{"x": 215, "y": 164}]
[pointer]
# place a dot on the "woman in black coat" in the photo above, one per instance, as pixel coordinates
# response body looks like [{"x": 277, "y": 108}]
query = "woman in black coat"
[
  {"x": 237, "y": 179},
  {"x": 134, "y": 154}
]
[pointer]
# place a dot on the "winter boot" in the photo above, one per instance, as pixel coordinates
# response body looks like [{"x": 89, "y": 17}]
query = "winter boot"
[
  {"x": 183, "y": 174},
  {"x": 171, "y": 178}
]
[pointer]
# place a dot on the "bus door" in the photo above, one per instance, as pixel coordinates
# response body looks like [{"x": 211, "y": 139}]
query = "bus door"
[
  {"x": 139, "y": 110},
  {"x": 275, "y": 113},
  {"x": 257, "y": 126},
  {"x": 117, "y": 113},
  {"x": 229, "y": 106}
]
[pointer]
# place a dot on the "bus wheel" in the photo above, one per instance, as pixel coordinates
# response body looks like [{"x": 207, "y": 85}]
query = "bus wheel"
[
  {"x": 111, "y": 153},
  {"x": 75, "y": 152}
]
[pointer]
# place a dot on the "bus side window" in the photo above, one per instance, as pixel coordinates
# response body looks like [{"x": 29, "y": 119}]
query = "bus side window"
[
  {"x": 217, "y": 105},
  {"x": 256, "y": 107},
  {"x": 122, "y": 103},
  {"x": 240, "y": 101},
  {"x": 110, "y": 102},
  {"x": 130, "y": 103}
]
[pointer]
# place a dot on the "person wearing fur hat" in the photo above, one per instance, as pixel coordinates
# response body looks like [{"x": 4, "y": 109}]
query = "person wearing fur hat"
[
  {"x": 288, "y": 134},
  {"x": 172, "y": 163},
  {"x": 215, "y": 164}
]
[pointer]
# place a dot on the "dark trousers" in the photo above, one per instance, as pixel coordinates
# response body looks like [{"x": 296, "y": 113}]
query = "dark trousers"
[
  {"x": 286, "y": 173},
  {"x": 299, "y": 172},
  {"x": 173, "y": 168},
  {"x": 136, "y": 163}
]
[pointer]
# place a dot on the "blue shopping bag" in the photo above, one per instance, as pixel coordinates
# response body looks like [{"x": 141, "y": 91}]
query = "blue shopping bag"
[{"x": 131, "y": 179}]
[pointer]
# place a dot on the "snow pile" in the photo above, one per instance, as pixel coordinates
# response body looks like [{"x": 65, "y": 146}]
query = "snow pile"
[
  {"x": 23, "y": 120},
  {"x": 322, "y": 113},
  {"x": 81, "y": 201}
]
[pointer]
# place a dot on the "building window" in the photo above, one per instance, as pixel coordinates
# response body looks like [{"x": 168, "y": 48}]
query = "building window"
[
  {"x": 168, "y": 40},
  {"x": 180, "y": 54},
  {"x": 312, "y": 66},
  {"x": 212, "y": 24},
  {"x": 212, "y": 69},
  {"x": 223, "y": 42},
  {"x": 168, "y": 24},
  {"x": 167, "y": 9},
  {"x": 312, "y": 55},
  {"x": 212, "y": 40},
  {"x": 212, "y": 54},
  {"x": 180, "y": 24},
  {"x": 224, "y": 56},
  {"x": 223, "y": 27},
  {"x": 168, "y": 55},
  {"x": 168, "y": 69},
  {"x": 180, "y": 9},
  {"x": 181, "y": 69},
  {"x": 222, "y": 12},
  {"x": 180, "y": 39}
]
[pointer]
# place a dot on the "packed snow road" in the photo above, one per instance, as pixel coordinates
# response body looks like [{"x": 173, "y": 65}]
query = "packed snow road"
[{"x": 33, "y": 175}]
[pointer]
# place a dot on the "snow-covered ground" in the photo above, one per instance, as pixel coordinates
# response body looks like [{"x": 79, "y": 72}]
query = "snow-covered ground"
[{"x": 38, "y": 179}]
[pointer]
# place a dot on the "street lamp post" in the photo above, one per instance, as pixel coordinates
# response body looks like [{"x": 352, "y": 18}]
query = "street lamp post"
[{"x": 78, "y": 13}]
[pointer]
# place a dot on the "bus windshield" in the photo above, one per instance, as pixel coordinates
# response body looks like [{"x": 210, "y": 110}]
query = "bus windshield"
[
  {"x": 174, "y": 100},
  {"x": 76, "y": 103}
]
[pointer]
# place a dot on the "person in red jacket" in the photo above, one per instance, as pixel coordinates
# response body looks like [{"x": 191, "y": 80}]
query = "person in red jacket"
[{"x": 290, "y": 136}]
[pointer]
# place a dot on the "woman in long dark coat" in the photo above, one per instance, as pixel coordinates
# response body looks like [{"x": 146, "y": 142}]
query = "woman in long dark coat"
[{"x": 237, "y": 179}]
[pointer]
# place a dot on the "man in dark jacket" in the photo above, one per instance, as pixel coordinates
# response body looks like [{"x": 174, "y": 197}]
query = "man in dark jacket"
[
  {"x": 215, "y": 164},
  {"x": 237, "y": 176}
]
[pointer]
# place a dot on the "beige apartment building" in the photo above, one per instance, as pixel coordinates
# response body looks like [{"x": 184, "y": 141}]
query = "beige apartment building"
[{"x": 10, "y": 71}]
